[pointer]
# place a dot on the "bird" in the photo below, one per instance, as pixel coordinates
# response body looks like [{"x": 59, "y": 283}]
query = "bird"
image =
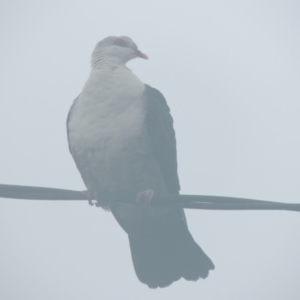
[{"x": 121, "y": 136}]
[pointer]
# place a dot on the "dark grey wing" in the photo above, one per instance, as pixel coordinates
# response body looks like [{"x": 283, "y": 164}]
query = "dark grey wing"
[
  {"x": 162, "y": 135},
  {"x": 69, "y": 115},
  {"x": 75, "y": 155},
  {"x": 68, "y": 120},
  {"x": 162, "y": 248}
]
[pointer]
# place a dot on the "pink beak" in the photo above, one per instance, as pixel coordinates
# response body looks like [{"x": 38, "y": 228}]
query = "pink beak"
[{"x": 141, "y": 54}]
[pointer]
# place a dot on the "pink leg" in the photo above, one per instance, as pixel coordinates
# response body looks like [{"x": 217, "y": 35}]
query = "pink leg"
[
  {"x": 91, "y": 196},
  {"x": 145, "y": 197}
]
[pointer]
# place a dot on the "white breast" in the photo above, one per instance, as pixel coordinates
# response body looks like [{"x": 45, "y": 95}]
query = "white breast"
[
  {"x": 106, "y": 132},
  {"x": 110, "y": 110}
]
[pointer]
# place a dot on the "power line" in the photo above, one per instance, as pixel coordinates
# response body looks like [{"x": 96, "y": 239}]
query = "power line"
[{"x": 184, "y": 201}]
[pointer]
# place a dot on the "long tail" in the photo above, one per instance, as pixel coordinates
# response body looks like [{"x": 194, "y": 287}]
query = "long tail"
[{"x": 163, "y": 250}]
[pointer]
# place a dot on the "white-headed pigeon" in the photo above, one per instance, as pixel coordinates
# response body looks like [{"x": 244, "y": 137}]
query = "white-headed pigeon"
[{"x": 121, "y": 137}]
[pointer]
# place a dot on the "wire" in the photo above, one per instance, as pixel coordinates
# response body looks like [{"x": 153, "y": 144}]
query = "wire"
[{"x": 183, "y": 201}]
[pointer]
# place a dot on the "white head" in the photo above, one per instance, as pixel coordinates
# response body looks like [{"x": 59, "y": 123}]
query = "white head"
[{"x": 117, "y": 50}]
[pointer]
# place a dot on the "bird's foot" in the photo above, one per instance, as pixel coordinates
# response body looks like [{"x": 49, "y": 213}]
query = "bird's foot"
[
  {"x": 92, "y": 197},
  {"x": 145, "y": 197}
]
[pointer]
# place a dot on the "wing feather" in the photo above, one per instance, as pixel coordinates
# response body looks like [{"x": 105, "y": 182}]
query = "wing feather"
[{"x": 162, "y": 135}]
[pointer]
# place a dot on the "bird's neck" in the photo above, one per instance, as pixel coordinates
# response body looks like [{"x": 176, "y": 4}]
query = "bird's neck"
[{"x": 99, "y": 62}]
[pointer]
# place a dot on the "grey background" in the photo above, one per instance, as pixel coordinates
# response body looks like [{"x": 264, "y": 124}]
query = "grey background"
[{"x": 230, "y": 72}]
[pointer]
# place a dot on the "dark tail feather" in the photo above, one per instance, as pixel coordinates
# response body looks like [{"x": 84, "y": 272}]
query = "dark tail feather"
[{"x": 163, "y": 251}]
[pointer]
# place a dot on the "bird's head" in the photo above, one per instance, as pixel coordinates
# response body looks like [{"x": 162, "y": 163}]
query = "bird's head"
[{"x": 118, "y": 50}]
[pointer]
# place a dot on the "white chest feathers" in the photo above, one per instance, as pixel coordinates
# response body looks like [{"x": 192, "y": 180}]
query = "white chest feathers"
[
  {"x": 108, "y": 135},
  {"x": 109, "y": 112}
]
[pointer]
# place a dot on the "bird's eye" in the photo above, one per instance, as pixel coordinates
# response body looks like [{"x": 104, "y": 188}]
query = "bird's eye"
[{"x": 120, "y": 43}]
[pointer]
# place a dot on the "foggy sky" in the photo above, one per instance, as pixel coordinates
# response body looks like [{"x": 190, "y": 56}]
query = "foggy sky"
[{"x": 230, "y": 73}]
